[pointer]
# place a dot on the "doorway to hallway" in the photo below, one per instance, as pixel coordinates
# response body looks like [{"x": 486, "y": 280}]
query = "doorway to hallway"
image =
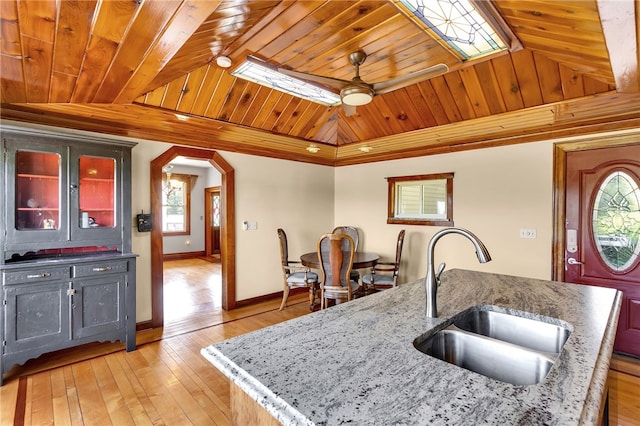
[{"x": 227, "y": 225}]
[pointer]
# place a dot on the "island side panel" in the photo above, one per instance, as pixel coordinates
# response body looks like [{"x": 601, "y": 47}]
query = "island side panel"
[{"x": 246, "y": 411}]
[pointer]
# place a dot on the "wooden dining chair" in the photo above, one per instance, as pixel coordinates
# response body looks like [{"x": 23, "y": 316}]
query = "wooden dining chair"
[
  {"x": 294, "y": 274},
  {"x": 351, "y": 231},
  {"x": 384, "y": 275},
  {"x": 335, "y": 252}
]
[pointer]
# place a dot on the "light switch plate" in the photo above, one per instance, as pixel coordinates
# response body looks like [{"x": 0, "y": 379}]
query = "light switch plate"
[{"x": 529, "y": 233}]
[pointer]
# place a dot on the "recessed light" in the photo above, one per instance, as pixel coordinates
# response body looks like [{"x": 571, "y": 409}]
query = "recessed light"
[
  {"x": 223, "y": 61},
  {"x": 313, "y": 149},
  {"x": 365, "y": 149}
]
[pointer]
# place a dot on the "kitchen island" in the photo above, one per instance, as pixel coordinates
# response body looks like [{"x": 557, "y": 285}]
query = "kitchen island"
[{"x": 356, "y": 363}]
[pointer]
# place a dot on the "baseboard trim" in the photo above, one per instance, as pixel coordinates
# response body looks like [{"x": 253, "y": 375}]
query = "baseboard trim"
[
  {"x": 625, "y": 364},
  {"x": 270, "y": 296},
  {"x": 183, "y": 255},
  {"x": 144, "y": 325}
]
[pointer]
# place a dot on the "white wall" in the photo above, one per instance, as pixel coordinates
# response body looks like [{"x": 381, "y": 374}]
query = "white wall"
[
  {"x": 213, "y": 178},
  {"x": 274, "y": 193},
  {"x": 496, "y": 191},
  {"x": 195, "y": 240}
]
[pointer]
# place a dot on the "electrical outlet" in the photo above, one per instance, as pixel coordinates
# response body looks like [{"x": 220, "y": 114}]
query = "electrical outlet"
[{"x": 528, "y": 233}]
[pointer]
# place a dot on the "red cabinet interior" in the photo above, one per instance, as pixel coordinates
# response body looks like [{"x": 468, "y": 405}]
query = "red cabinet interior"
[
  {"x": 37, "y": 190},
  {"x": 97, "y": 180}
]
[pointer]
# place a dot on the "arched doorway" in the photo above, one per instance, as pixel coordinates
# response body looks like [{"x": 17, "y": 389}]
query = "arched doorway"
[{"x": 227, "y": 227}]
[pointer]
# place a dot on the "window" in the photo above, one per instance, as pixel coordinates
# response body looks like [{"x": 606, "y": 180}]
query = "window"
[
  {"x": 616, "y": 221},
  {"x": 261, "y": 72},
  {"x": 421, "y": 200},
  {"x": 469, "y": 28},
  {"x": 176, "y": 204}
]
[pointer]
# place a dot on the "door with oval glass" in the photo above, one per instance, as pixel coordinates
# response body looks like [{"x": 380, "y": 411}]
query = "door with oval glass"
[{"x": 602, "y": 244}]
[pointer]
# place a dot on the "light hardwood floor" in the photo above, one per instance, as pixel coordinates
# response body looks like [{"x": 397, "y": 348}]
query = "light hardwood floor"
[{"x": 166, "y": 381}]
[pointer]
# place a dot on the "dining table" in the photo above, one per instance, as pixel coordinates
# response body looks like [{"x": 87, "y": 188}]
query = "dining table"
[{"x": 361, "y": 260}]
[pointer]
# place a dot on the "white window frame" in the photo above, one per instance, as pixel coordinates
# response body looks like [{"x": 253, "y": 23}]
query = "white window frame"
[{"x": 185, "y": 180}]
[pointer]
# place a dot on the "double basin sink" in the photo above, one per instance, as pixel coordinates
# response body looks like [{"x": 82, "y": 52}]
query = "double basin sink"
[{"x": 504, "y": 346}]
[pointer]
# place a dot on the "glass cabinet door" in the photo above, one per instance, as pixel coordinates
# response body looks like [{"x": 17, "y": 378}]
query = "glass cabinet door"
[
  {"x": 37, "y": 191},
  {"x": 36, "y": 195},
  {"x": 95, "y": 200},
  {"x": 97, "y": 192}
]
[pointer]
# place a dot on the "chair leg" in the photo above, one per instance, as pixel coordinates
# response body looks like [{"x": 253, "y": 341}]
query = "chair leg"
[
  {"x": 312, "y": 295},
  {"x": 285, "y": 296}
]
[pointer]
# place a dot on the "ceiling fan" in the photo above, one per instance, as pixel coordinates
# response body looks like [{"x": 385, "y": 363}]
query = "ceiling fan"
[{"x": 356, "y": 91}]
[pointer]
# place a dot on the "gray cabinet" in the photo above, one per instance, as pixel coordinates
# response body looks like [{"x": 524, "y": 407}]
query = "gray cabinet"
[
  {"x": 68, "y": 274},
  {"x": 64, "y": 192},
  {"x": 35, "y": 316}
]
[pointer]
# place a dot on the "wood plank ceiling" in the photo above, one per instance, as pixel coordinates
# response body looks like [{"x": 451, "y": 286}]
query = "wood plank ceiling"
[{"x": 147, "y": 69}]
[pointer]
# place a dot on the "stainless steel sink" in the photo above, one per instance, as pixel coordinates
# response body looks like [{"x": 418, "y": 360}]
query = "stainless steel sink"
[
  {"x": 526, "y": 332},
  {"x": 492, "y": 358},
  {"x": 505, "y": 347}
]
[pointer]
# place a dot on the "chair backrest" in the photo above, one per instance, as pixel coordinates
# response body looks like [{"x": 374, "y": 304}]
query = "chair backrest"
[
  {"x": 335, "y": 252},
  {"x": 284, "y": 248},
  {"x": 399, "y": 244},
  {"x": 351, "y": 231}
]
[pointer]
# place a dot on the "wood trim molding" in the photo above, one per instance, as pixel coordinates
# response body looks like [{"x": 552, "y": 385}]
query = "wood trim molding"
[
  {"x": 227, "y": 227},
  {"x": 183, "y": 255},
  {"x": 560, "y": 150}
]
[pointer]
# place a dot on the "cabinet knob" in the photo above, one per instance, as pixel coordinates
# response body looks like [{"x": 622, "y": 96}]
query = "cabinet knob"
[{"x": 71, "y": 292}]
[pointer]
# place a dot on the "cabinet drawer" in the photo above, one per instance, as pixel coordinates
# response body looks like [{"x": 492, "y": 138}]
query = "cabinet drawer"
[
  {"x": 37, "y": 275},
  {"x": 99, "y": 268}
]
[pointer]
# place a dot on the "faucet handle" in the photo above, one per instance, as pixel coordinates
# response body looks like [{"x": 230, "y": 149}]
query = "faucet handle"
[{"x": 440, "y": 271}]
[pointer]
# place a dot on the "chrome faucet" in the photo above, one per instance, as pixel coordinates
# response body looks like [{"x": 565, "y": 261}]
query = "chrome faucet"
[{"x": 432, "y": 280}]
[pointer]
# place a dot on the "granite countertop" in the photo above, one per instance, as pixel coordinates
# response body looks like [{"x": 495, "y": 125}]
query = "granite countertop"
[{"x": 356, "y": 363}]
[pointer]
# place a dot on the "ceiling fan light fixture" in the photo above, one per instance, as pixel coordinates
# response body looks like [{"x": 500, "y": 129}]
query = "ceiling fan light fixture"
[{"x": 356, "y": 95}]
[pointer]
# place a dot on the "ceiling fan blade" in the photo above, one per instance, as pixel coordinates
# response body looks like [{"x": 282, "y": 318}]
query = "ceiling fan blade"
[
  {"x": 408, "y": 80},
  {"x": 336, "y": 83},
  {"x": 349, "y": 110}
]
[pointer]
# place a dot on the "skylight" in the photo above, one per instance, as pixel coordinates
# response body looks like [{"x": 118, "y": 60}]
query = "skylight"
[
  {"x": 265, "y": 74},
  {"x": 458, "y": 24}
]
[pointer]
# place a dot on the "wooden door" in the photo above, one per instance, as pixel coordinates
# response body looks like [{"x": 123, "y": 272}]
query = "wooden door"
[
  {"x": 602, "y": 241},
  {"x": 212, "y": 226}
]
